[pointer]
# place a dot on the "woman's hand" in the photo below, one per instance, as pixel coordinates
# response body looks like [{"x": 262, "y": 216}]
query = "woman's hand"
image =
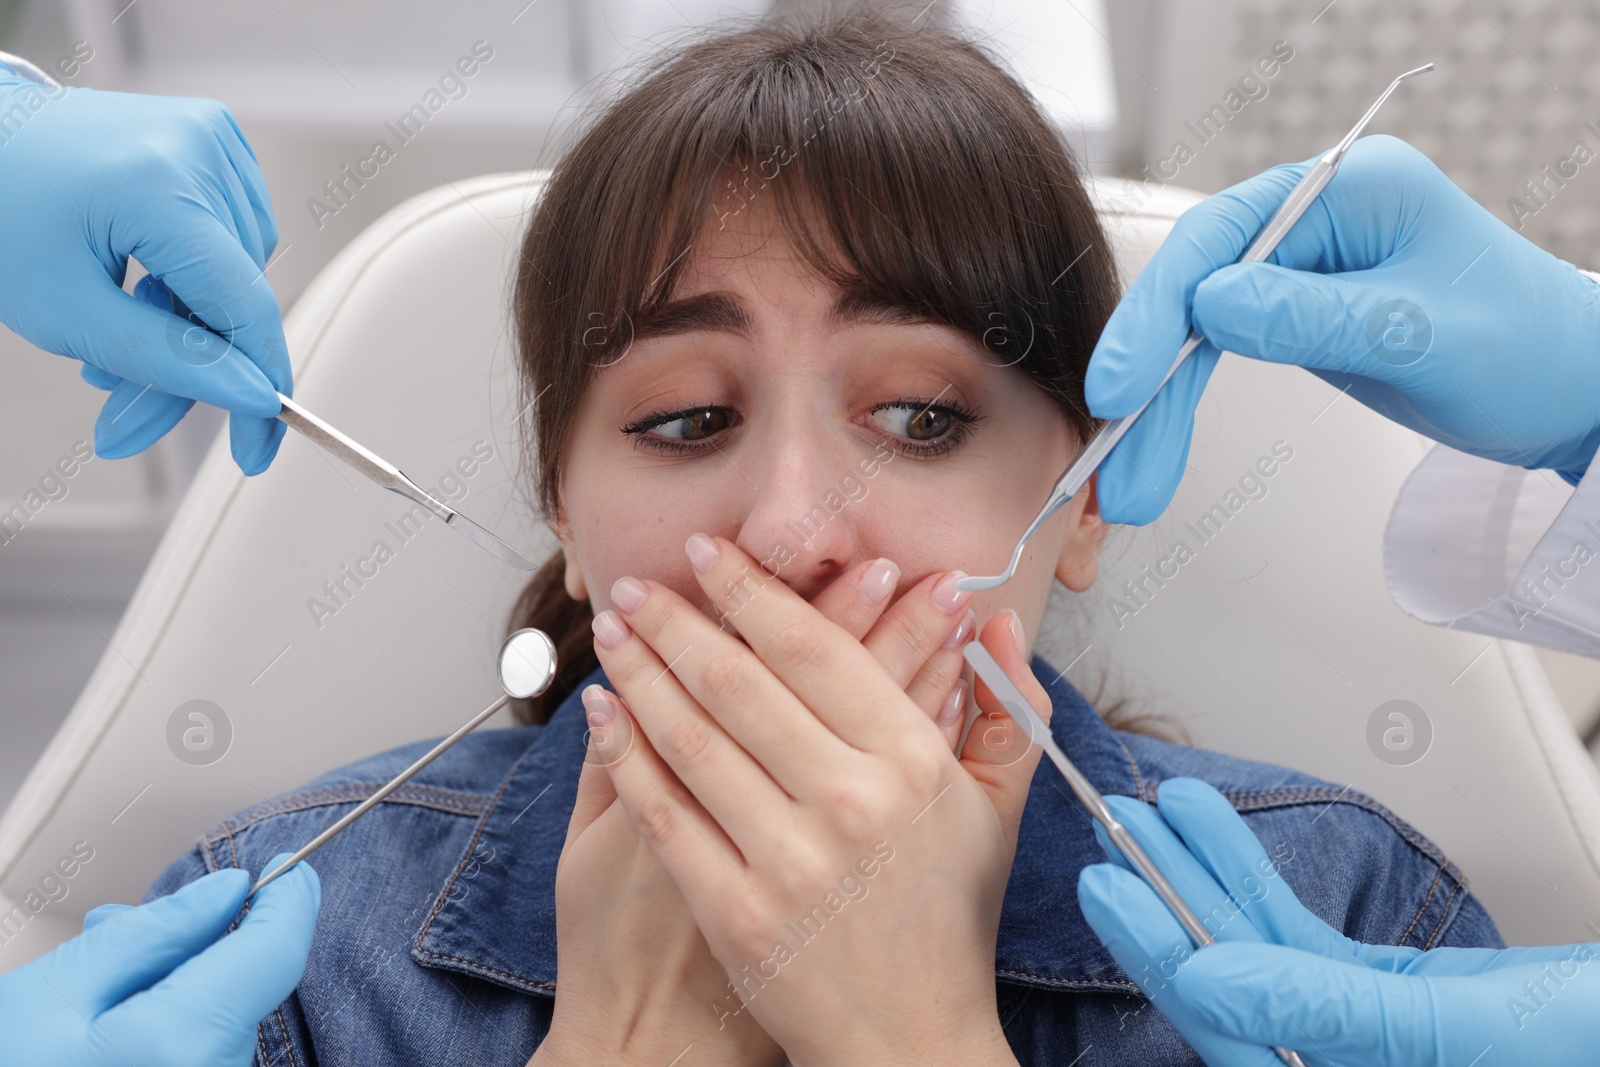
[
  {"x": 845, "y": 870},
  {"x": 637, "y": 982}
]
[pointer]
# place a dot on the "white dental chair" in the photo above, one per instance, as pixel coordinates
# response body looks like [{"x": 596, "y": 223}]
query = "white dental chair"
[{"x": 1276, "y": 641}]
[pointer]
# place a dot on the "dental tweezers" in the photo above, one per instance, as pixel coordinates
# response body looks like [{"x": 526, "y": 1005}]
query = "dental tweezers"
[{"x": 1101, "y": 444}]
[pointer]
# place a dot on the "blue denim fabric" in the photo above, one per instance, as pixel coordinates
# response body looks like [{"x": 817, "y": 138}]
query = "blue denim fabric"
[{"x": 436, "y": 941}]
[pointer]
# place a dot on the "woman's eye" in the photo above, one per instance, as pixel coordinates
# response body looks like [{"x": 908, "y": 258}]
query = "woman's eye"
[
  {"x": 679, "y": 431},
  {"x": 929, "y": 429},
  {"x": 695, "y": 425},
  {"x": 915, "y": 422},
  {"x": 924, "y": 429}
]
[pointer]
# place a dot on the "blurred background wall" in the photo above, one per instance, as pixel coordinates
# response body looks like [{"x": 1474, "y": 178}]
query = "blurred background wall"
[{"x": 313, "y": 83}]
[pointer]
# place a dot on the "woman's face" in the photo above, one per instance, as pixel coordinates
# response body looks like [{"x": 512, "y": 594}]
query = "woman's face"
[{"x": 814, "y": 440}]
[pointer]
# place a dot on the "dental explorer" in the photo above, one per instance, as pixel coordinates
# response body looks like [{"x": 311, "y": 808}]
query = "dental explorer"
[
  {"x": 1011, "y": 698},
  {"x": 1101, "y": 444},
  {"x": 526, "y": 665},
  {"x": 393, "y": 479}
]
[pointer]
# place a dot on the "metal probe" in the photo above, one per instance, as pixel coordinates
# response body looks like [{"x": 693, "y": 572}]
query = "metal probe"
[
  {"x": 1101, "y": 444},
  {"x": 1011, "y": 698},
  {"x": 527, "y": 665},
  {"x": 394, "y": 479}
]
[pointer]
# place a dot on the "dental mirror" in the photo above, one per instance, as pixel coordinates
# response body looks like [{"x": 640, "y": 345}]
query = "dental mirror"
[{"x": 526, "y": 665}]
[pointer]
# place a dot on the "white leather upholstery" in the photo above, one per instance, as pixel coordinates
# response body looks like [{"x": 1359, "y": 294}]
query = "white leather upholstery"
[{"x": 1276, "y": 641}]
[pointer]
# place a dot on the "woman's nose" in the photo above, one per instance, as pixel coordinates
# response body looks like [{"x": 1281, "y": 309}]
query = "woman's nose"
[{"x": 803, "y": 512}]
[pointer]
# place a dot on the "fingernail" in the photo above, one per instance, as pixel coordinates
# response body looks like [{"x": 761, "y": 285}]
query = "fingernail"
[
  {"x": 950, "y": 710},
  {"x": 1015, "y": 622},
  {"x": 628, "y": 593},
  {"x": 946, "y": 597},
  {"x": 597, "y": 704},
  {"x": 703, "y": 552},
  {"x": 962, "y": 631},
  {"x": 609, "y": 629},
  {"x": 878, "y": 581}
]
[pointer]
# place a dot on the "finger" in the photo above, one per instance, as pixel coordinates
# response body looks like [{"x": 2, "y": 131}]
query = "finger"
[
  {"x": 1130, "y": 920},
  {"x": 918, "y": 643},
  {"x": 734, "y": 788},
  {"x": 1276, "y": 996},
  {"x": 1225, "y": 916},
  {"x": 855, "y": 600},
  {"x": 1145, "y": 333},
  {"x": 939, "y": 689},
  {"x": 720, "y": 676},
  {"x": 1213, "y": 832},
  {"x": 1382, "y": 185},
  {"x": 96, "y": 916},
  {"x": 222, "y": 289},
  {"x": 998, "y": 752},
  {"x": 1152, "y": 321},
  {"x": 1161, "y": 305},
  {"x": 251, "y": 970},
  {"x": 134, "y": 417},
  {"x": 149, "y": 291},
  {"x": 1112, "y": 853},
  {"x": 251, "y": 183},
  {"x": 706, "y": 865},
  {"x": 1329, "y": 322},
  {"x": 1153, "y": 950},
  {"x": 255, "y": 442},
  {"x": 132, "y": 339},
  {"x": 228, "y": 313},
  {"x": 1448, "y": 960},
  {"x": 1138, "y": 479},
  {"x": 595, "y": 791},
  {"x": 123, "y": 953},
  {"x": 1351, "y": 330},
  {"x": 918, "y": 625},
  {"x": 809, "y": 668},
  {"x": 98, "y": 378}
]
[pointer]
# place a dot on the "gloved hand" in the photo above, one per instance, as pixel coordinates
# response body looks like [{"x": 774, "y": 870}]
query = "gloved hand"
[
  {"x": 1394, "y": 284},
  {"x": 1279, "y": 976},
  {"x": 89, "y": 178},
  {"x": 153, "y": 986}
]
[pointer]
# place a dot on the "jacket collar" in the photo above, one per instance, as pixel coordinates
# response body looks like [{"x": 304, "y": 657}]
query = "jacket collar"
[{"x": 495, "y": 915}]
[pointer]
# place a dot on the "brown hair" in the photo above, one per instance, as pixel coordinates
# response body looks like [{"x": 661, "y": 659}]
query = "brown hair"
[{"x": 904, "y": 163}]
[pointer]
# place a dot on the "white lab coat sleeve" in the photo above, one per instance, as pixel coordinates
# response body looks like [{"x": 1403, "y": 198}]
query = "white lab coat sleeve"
[
  {"x": 1478, "y": 545},
  {"x": 27, "y": 70}
]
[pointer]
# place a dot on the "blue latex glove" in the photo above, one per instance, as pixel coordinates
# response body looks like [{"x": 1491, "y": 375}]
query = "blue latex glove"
[
  {"x": 159, "y": 985},
  {"x": 1279, "y": 976},
  {"x": 89, "y": 178},
  {"x": 1496, "y": 350}
]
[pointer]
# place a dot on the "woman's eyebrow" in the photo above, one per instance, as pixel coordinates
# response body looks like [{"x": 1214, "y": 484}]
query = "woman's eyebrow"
[{"x": 724, "y": 312}]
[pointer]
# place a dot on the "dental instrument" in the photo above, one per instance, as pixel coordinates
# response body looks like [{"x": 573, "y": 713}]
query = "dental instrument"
[
  {"x": 526, "y": 665},
  {"x": 1101, "y": 444},
  {"x": 393, "y": 479},
  {"x": 1011, "y": 698}
]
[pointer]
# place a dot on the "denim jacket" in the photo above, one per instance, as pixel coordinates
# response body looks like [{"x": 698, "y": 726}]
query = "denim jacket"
[{"x": 436, "y": 942}]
